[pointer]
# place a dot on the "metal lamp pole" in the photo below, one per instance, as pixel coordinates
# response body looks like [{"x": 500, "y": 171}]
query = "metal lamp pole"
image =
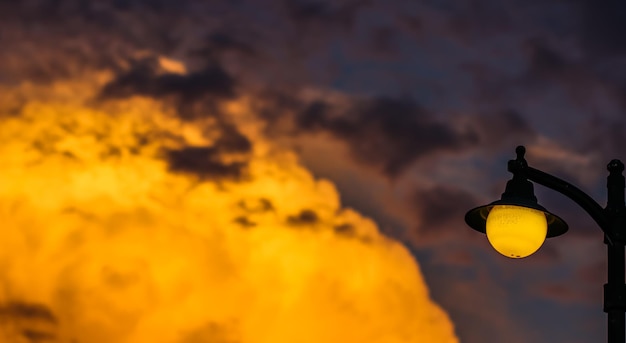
[
  {"x": 614, "y": 289},
  {"x": 611, "y": 220}
]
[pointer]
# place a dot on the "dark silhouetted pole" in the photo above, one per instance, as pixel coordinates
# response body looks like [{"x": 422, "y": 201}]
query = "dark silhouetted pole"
[
  {"x": 614, "y": 289},
  {"x": 611, "y": 220}
]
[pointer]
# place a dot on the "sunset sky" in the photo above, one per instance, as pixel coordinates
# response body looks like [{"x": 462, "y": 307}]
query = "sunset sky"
[{"x": 298, "y": 171}]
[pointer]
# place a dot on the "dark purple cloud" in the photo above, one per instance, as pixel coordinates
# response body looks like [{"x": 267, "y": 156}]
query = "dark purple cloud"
[
  {"x": 606, "y": 135},
  {"x": 142, "y": 79},
  {"x": 305, "y": 217},
  {"x": 440, "y": 211},
  {"x": 26, "y": 310},
  {"x": 205, "y": 162},
  {"x": 221, "y": 41},
  {"x": 31, "y": 321},
  {"x": 386, "y": 133},
  {"x": 324, "y": 13},
  {"x": 603, "y": 27},
  {"x": 565, "y": 292},
  {"x": 500, "y": 128}
]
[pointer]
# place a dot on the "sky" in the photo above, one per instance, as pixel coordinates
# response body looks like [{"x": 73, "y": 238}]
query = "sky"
[{"x": 331, "y": 148}]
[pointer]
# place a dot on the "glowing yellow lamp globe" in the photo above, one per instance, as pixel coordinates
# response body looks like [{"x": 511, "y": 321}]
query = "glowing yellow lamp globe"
[{"x": 516, "y": 231}]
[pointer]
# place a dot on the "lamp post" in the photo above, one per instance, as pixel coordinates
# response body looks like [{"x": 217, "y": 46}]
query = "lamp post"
[{"x": 516, "y": 226}]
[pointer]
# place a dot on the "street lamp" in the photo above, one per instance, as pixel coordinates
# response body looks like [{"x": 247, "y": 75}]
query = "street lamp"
[{"x": 516, "y": 226}]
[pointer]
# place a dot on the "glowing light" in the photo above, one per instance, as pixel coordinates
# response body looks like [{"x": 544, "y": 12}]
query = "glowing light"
[
  {"x": 102, "y": 242},
  {"x": 516, "y": 231},
  {"x": 172, "y": 66}
]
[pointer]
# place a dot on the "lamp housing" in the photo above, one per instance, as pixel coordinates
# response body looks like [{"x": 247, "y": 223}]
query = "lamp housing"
[{"x": 519, "y": 192}]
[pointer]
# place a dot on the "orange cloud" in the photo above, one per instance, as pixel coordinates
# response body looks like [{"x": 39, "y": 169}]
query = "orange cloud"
[{"x": 103, "y": 241}]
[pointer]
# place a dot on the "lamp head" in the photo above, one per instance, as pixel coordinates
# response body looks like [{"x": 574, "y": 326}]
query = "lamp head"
[{"x": 516, "y": 225}]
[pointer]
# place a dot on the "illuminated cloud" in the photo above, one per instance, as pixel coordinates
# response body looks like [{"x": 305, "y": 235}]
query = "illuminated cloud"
[
  {"x": 485, "y": 76},
  {"x": 123, "y": 222}
]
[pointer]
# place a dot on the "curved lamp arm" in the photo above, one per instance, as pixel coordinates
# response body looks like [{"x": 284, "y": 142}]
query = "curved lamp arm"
[
  {"x": 583, "y": 200},
  {"x": 612, "y": 221},
  {"x": 519, "y": 166}
]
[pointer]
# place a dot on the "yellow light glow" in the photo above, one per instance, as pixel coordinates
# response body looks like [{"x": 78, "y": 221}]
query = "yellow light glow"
[{"x": 516, "y": 231}]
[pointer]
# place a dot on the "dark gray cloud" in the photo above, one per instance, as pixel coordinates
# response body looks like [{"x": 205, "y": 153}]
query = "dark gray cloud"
[
  {"x": 390, "y": 134},
  {"x": 221, "y": 41},
  {"x": 36, "y": 336},
  {"x": 245, "y": 222},
  {"x": 195, "y": 94},
  {"x": 606, "y": 135},
  {"x": 142, "y": 79},
  {"x": 505, "y": 127},
  {"x": 440, "y": 211},
  {"x": 31, "y": 321},
  {"x": 603, "y": 27},
  {"x": 347, "y": 230},
  {"x": 472, "y": 19},
  {"x": 69, "y": 38},
  {"x": 206, "y": 162},
  {"x": 386, "y": 133},
  {"x": 324, "y": 13},
  {"x": 26, "y": 310},
  {"x": 565, "y": 292},
  {"x": 544, "y": 60},
  {"x": 383, "y": 40},
  {"x": 305, "y": 217}
]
